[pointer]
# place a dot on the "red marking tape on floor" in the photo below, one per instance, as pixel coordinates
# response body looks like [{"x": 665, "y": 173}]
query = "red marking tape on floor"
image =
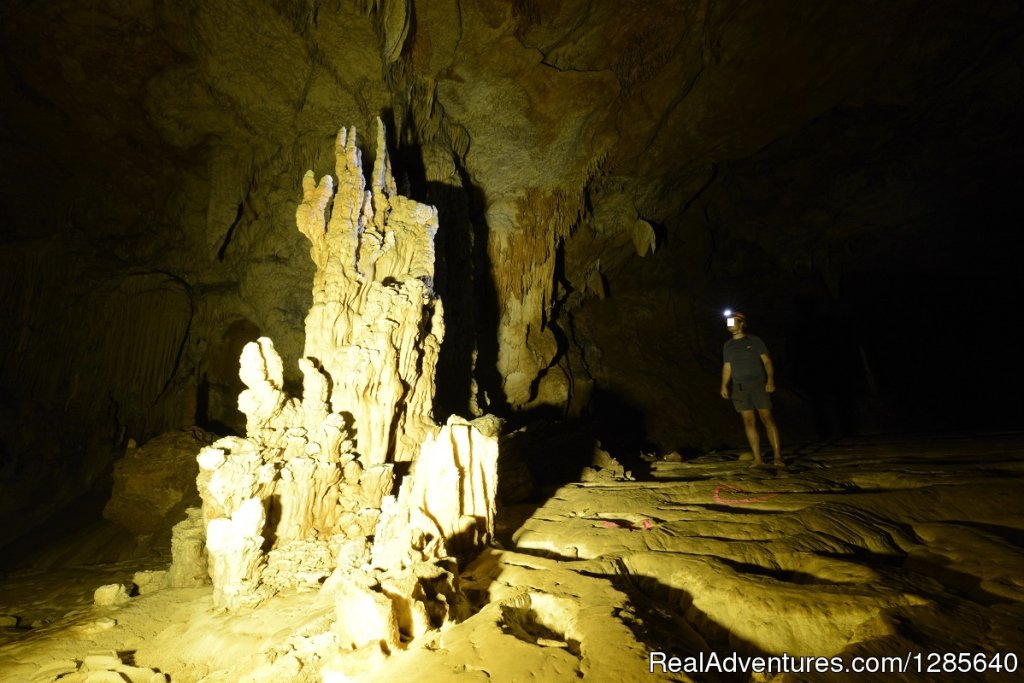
[
  {"x": 612, "y": 524},
  {"x": 725, "y": 488}
]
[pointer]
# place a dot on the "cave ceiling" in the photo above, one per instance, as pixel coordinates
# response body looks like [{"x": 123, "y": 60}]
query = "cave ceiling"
[{"x": 641, "y": 99}]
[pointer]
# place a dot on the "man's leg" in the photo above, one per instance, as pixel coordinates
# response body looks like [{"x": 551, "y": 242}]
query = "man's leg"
[
  {"x": 773, "y": 433},
  {"x": 750, "y": 425}
]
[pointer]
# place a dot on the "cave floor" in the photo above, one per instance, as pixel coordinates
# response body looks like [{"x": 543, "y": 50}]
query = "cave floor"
[{"x": 867, "y": 548}]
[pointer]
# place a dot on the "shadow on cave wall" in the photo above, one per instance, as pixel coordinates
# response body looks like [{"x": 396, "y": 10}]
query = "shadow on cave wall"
[
  {"x": 541, "y": 449},
  {"x": 220, "y": 385},
  {"x": 463, "y": 278}
]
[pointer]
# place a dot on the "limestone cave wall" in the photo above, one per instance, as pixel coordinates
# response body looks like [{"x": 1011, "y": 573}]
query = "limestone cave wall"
[{"x": 608, "y": 177}]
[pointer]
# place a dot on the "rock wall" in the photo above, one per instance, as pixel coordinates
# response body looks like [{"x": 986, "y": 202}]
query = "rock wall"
[
  {"x": 83, "y": 369},
  {"x": 585, "y": 159}
]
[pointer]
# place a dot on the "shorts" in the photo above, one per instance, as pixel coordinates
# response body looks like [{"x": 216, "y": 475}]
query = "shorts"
[{"x": 750, "y": 395}]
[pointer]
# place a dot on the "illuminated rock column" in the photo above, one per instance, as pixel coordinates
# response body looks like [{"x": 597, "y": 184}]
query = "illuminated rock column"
[
  {"x": 375, "y": 325},
  {"x": 302, "y": 495}
]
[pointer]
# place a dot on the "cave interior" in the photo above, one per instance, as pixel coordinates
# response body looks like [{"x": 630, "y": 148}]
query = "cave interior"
[{"x": 608, "y": 178}]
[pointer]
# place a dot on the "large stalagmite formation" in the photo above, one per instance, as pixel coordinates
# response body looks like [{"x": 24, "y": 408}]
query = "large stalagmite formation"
[
  {"x": 375, "y": 325},
  {"x": 309, "y": 496}
]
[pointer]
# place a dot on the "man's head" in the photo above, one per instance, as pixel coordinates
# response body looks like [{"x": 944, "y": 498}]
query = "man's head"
[{"x": 735, "y": 320}]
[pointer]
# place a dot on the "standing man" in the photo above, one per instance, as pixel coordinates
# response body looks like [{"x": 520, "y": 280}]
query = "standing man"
[{"x": 746, "y": 363}]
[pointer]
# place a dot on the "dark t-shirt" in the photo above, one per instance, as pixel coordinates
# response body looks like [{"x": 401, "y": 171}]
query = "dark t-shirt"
[{"x": 744, "y": 355}]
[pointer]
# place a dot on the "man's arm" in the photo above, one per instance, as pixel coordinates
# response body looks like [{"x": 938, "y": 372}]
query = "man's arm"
[
  {"x": 726, "y": 376},
  {"x": 770, "y": 372}
]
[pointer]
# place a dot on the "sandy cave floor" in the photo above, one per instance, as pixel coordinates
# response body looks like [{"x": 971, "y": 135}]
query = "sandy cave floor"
[{"x": 859, "y": 548}]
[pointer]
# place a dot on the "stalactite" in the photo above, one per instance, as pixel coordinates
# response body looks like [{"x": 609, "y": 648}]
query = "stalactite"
[{"x": 524, "y": 263}]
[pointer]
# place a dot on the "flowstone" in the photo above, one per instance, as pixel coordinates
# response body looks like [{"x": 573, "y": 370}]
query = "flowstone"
[{"x": 310, "y": 498}]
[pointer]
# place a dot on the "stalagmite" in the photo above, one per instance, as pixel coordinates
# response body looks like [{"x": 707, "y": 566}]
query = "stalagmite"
[
  {"x": 189, "y": 564},
  {"x": 375, "y": 325},
  {"x": 461, "y": 459},
  {"x": 310, "y": 498}
]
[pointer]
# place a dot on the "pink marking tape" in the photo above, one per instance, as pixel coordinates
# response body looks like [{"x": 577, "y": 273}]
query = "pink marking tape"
[
  {"x": 610, "y": 524},
  {"x": 725, "y": 488}
]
